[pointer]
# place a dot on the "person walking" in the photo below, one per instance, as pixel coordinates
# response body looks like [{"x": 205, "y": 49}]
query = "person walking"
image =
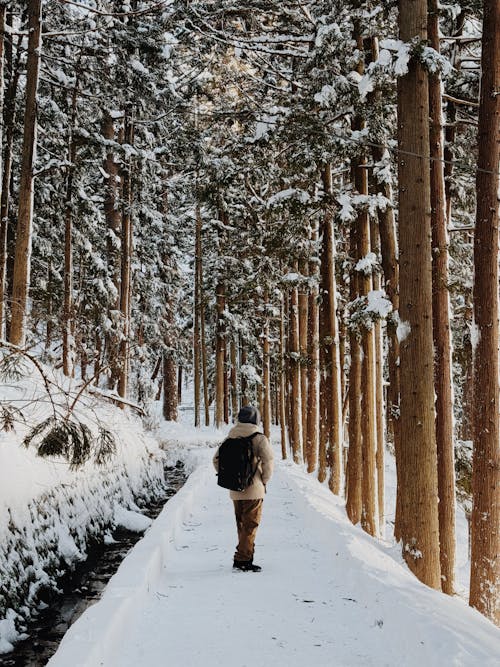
[{"x": 248, "y": 503}]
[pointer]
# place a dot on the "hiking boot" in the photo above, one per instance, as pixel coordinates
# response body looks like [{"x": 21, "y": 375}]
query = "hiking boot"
[{"x": 246, "y": 566}]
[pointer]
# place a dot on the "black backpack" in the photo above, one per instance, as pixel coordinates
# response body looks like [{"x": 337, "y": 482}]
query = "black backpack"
[{"x": 236, "y": 469}]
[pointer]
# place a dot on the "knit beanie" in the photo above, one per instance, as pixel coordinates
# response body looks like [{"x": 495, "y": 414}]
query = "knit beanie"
[{"x": 249, "y": 415}]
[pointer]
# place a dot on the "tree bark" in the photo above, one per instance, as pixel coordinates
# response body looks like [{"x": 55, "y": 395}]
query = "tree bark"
[
  {"x": 303, "y": 306},
  {"x": 220, "y": 356},
  {"x": 197, "y": 320},
  {"x": 485, "y": 527},
  {"x": 294, "y": 362},
  {"x": 441, "y": 322},
  {"x": 22, "y": 261},
  {"x": 313, "y": 365},
  {"x": 369, "y": 518},
  {"x": 266, "y": 375},
  {"x": 282, "y": 381},
  {"x": 354, "y": 473},
  {"x": 68, "y": 315},
  {"x": 126, "y": 261},
  {"x": 379, "y": 388},
  {"x": 420, "y": 525}
]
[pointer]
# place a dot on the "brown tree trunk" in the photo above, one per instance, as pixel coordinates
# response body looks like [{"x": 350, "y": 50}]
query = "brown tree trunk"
[
  {"x": 313, "y": 366},
  {"x": 112, "y": 214},
  {"x": 329, "y": 340},
  {"x": 21, "y": 279},
  {"x": 244, "y": 385},
  {"x": 234, "y": 378},
  {"x": 282, "y": 382},
  {"x": 369, "y": 506},
  {"x": 420, "y": 524},
  {"x": 355, "y": 457},
  {"x": 379, "y": 387},
  {"x": 441, "y": 322},
  {"x": 68, "y": 315},
  {"x": 303, "y": 305},
  {"x": 126, "y": 261},
  {"x": 179, "y": 385},
  {"x": 294, "y": 363},
  {"x": 3, "y": 226},
  {"x": 266, "y": 375},
  {"x": 220, "y": 356},
  {"x": 169, "y": 387},
  {"x": 485, "y": 527},
  {"x": 197, "y": 320}
]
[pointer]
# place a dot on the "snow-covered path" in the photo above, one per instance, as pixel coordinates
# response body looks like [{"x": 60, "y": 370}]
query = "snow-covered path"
[{"x": 328, "y": 594}]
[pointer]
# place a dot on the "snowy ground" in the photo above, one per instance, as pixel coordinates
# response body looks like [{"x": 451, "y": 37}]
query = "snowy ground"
[
  {"x": 49, "y": 512},
  {"x": 328, "y": 595}
]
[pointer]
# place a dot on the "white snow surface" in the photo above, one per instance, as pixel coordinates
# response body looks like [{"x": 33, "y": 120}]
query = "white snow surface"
[
  {"x": 49, "y": 512},
  {"x": 328, "y": 595}
]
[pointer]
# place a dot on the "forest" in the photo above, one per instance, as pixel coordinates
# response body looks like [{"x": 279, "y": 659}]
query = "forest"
[{"x": 293, "y": 205}]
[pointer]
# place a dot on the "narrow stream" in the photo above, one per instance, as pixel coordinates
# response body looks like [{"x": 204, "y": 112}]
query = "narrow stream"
[{"x": 82, "y": 587}]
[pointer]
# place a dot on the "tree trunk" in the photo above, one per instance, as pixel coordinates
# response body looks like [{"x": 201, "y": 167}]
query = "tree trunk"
[
  {"x": 420, "y": 526},
  {"x": 441, "y": 322},
  {"x": 197, "y": 320},
  {"x": 22, "y": 261},
  {"x": 329, "y": 340},
  {"x": 294, "y": 361},
  {"x": 282, "y": 381},
  {"x": 234, "y": 378},
  {"x": 68, "y": 315},
  {"x": 126, "y": 261},
  {"x": 379, "y": 388},
  {"x": 179, "y": 385},
  {"x": 3, "y": 225},
  {"x": 485, "y": 528},
  {"x": 169, "y": 386},
  {"x": 303, "y": 305},
  {"x": 266, "y": 375},
  {"x": 369, "y": 506},
  {"x": 220, "y": 356},
  {"x": 313, "y": 366}
]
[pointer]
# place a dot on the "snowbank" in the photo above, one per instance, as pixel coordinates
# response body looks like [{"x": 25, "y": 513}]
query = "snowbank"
[{"x": 49, "y": 514}]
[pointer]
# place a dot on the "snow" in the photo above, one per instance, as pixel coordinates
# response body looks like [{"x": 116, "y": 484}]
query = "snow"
[
  {"x": 131, "y": 520},
  {"x": 378, "y": 303},
  {"x": 403, "y": 330},
  {"x": 48, "y": 512},
  {"x": 366, "y": 264},
  {"x": 329, "y": 594},
  {"x": 290, "y": 193}
]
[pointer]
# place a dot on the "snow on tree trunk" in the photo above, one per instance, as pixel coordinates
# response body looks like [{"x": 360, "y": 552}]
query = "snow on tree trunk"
[
  {"x": 22, "y": 260},
  {"x": 420, "y": 525},
  {"x": 485, "y": 527}
]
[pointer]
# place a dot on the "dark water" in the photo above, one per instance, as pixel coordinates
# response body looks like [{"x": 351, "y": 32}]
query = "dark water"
[{"x": 82, "y": 587}]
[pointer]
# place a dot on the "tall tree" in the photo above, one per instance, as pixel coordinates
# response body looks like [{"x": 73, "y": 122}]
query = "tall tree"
[
  {"x": 485, "y": 528},
  {"x": 22, "y": 262},
  {"x": 420, "y": 525},
  {"x": 441, "y": 321}
]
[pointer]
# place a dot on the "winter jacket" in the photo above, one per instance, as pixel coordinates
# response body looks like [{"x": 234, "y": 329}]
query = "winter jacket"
[{"x": 264, "y": 459}]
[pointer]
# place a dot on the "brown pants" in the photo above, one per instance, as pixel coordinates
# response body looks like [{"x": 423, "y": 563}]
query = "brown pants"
[{"x": 248, "y": 514}]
